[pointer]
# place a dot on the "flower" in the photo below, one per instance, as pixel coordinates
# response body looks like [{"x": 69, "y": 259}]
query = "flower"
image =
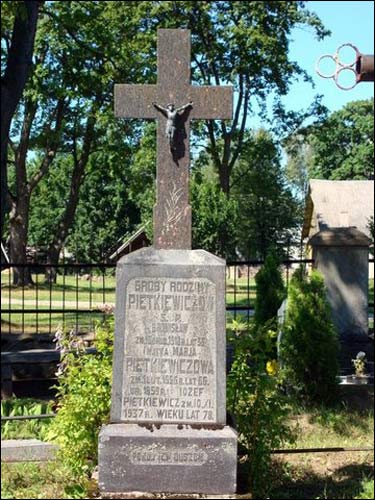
[
  {"x": 359, "y": 363},
  {"x": 272, "y": 367},
  {"x": 106, "y": 308}
]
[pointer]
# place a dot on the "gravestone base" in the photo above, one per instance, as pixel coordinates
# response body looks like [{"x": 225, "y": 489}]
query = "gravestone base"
[{"x": 167, "y": 458}]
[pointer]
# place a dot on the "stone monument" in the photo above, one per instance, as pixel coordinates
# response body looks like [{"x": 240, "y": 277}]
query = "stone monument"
[
  {"x": 168, "y": 429},
  {"x": 341, "y": 254}
]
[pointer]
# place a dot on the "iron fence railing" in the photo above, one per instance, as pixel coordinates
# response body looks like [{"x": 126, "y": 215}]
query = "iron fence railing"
[{"x": 83, "y": 293}]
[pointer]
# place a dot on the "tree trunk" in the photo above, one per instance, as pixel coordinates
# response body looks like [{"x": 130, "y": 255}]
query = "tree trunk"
[
  {"x": 53, "y": 259},
  {"x": 63, "y": 226},
  {"x": 18, "y": 227},
  {"x": 12, "y": 85},
  {"x": 224, "y": 177}
]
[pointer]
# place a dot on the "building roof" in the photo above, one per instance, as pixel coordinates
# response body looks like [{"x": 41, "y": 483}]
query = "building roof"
[
  {"x": 334, "y": 204},
  {"x": 340, "y": 236},
  {"x": 128, "y": 242}
]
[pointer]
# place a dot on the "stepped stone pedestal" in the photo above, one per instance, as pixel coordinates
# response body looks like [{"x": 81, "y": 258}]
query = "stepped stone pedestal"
[{"x": 168, "y": 429}]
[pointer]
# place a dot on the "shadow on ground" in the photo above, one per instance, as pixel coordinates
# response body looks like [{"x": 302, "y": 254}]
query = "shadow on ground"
[{"x": 345, "y": 482}]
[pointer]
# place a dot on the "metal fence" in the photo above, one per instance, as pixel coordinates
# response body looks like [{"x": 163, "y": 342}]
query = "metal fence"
[
  {"x": 79, "y": 297},
  {"x": 81, "y": 294},
  {"x": 76, "y": 299}
]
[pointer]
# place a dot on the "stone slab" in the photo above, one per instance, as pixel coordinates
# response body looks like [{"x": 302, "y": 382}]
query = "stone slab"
[
  {"x": 167, "y": 459},
  {"x": 346, "y": 274},
  {"x": 170, "y": 338},
  {"x": 27, "y": 450},
  {"x": 136, "y": 495}
]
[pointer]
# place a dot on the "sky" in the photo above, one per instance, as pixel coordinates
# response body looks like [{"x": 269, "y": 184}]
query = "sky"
[{"x": 349, "y": 21}]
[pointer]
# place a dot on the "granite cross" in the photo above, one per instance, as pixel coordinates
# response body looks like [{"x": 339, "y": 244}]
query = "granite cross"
[{"x": 172, "y": 212}]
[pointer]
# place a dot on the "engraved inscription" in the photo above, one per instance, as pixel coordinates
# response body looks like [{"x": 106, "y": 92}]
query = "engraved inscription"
[
  {"x": 146, "y": 455},
  {"x": 170, "y": 351}
]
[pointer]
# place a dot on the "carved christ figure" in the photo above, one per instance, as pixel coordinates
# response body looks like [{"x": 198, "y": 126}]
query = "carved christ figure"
[{"x": 171, "y": 114}]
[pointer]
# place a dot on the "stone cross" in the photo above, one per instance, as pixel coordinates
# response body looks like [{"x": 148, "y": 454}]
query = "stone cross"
[{"x": 172, "y": 212}]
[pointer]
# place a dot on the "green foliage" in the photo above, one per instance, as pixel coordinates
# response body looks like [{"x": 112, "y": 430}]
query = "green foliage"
[
  {"x": 142, "y": 175},
  {"x": 24, "y": 429},
  {"x": 232, "y": 42},
  {"x": 370, "y": 227},
  {"x": 259, "y": 407},
  {"x": 84, "y": 393},
  {"x": 269, "y": 211},
  {"x": 343, "y": 422},
  {"x": 343, "y": 145},
  {"x": 309, "y": 345},
  {"x": 339, "y": 147},
  {"x": 215, "y": 217},
  {"x": 270, "y": 290},
  {"x": 42, "y": 480},
  {"x": 367, "y": 489}
]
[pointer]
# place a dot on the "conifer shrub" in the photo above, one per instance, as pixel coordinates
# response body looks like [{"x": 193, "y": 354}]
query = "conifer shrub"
[
  {"x": 309, "y": 344},
  {"x": 270, "y": 290}
]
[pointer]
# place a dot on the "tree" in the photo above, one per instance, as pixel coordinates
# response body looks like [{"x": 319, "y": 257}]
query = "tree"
[
  {"x": 240, "y": 43},
  {"x": 269, "y": 213},
  {"x": 16, "y": 61},
  {"x": 71, "y": 80},
  {"x": 105, "y": 212},
  {"x": 339, "y": 147},
  {"x": 232, "y": 42},
  {"x": 370, "y": 226},
  {"x": 215, "y": 216}
]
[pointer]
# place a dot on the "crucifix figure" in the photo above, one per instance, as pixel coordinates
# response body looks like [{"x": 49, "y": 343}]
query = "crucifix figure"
[
  {"x": 172, "y": 125},
  {"x": 172, "y": 212}
]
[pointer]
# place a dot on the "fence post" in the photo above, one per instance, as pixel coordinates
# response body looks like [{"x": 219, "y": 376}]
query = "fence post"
[{"x": 6, "y": 381}]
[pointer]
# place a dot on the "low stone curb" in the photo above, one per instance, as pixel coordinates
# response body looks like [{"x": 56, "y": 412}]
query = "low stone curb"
[{"x": 27, "y": 450}]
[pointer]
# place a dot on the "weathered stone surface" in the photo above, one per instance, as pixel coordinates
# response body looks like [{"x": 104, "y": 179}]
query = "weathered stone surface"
[
  {"x": 170, "y": 344},
  {"x": 135, "y": 495},
  {"x": 172, "y": 212},
  {"x": 169, "y": 458},
  {"x": 170, "y": 339},
  {"x": 341, "y": 255},
  {"x": 27, "y": 450}
]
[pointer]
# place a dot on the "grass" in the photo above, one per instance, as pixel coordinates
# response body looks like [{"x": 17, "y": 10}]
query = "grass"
[
  {"x": 367, "y": 489},
  {"x": 86, "y": 293},
  {"x": 302, "y": 476},
  {"x": 49, "y": 322},
  {"x": 35, "y": 480},
  {"x": 69, "y": 292},
  {"x": 353, "y": 479},
  {"x": 338, "y": 426},
  {"x": 41, "y": 480},
  {"x": 25, "y": 429},
  {"x": 328, "y": 475},
  {"x": 74, "y": 292},
  {"x": 94, "y": 289},
  {"x": 94, "y": 292}
]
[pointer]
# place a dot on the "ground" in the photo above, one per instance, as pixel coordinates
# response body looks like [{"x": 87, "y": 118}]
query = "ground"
[{"x": 310, "y": 475}]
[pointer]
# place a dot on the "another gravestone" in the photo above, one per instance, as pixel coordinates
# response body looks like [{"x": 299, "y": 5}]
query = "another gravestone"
[
  {"x": 341, "y": 255},
  {"x": 168, "y": 428}
]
